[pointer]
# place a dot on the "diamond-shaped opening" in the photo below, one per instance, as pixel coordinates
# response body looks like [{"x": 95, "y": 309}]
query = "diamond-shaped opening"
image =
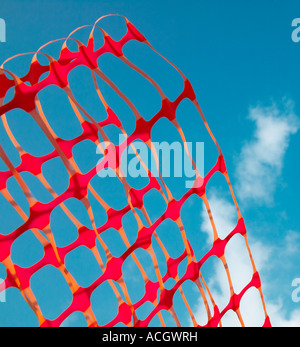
[
  {"x": 155, "y": 204},
  {"x": 56, "y": 175},
  {"x": 104, "y": 304},
  {"x": 170, "y": 283},
  {"x": 110, "y": 189},
  {"x": 51, "y": 291},
  {"x": 114, "y": 242},
  {"x": 15, "y": 311},
  {"x": 27, "y": 250},
  {"x": 169, "y": 233},
  {"x": 83, "y": 266},
  {"x": 86, "y": 155},
  {"x": 59, "y": 112},
  {"x": 63, "y": 229}
]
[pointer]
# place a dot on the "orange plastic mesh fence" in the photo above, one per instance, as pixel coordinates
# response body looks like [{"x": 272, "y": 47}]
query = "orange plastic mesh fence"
[{"x": 26, "y": 91}]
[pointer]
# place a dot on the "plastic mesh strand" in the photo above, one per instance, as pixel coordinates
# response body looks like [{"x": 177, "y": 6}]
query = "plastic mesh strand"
[{"x": 26, "y": 91}]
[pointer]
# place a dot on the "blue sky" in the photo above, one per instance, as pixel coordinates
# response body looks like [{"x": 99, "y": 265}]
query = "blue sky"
[{"x": 244, "y": 67}]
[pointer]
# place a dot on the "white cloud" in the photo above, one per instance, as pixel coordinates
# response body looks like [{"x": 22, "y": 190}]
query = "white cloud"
[
  {"x": 291, "y": 243},
  {"x": 240, "y": 268},
  {"x": 241, "y": 271},
  {"x": 261, "y": 159},
  {"x": 258, "y": 171},
  {"x": 238, "y": 260},
  {"x": 281, "y": 318}
]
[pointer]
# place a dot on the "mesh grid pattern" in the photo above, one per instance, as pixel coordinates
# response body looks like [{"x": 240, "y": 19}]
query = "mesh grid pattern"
[{"x": 26, "y": 91}]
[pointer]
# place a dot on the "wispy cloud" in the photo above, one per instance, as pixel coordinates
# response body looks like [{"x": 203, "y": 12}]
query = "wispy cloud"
[
  {"x": 241, "y": 271},
  {"x": 259, "y": 168},
  {"x": 239, "y": 265},
  {"x": 261, "y": 159}
]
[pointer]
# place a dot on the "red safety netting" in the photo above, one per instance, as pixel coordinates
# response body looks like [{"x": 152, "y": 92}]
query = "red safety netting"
[{"x": 26, "y": 90}]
